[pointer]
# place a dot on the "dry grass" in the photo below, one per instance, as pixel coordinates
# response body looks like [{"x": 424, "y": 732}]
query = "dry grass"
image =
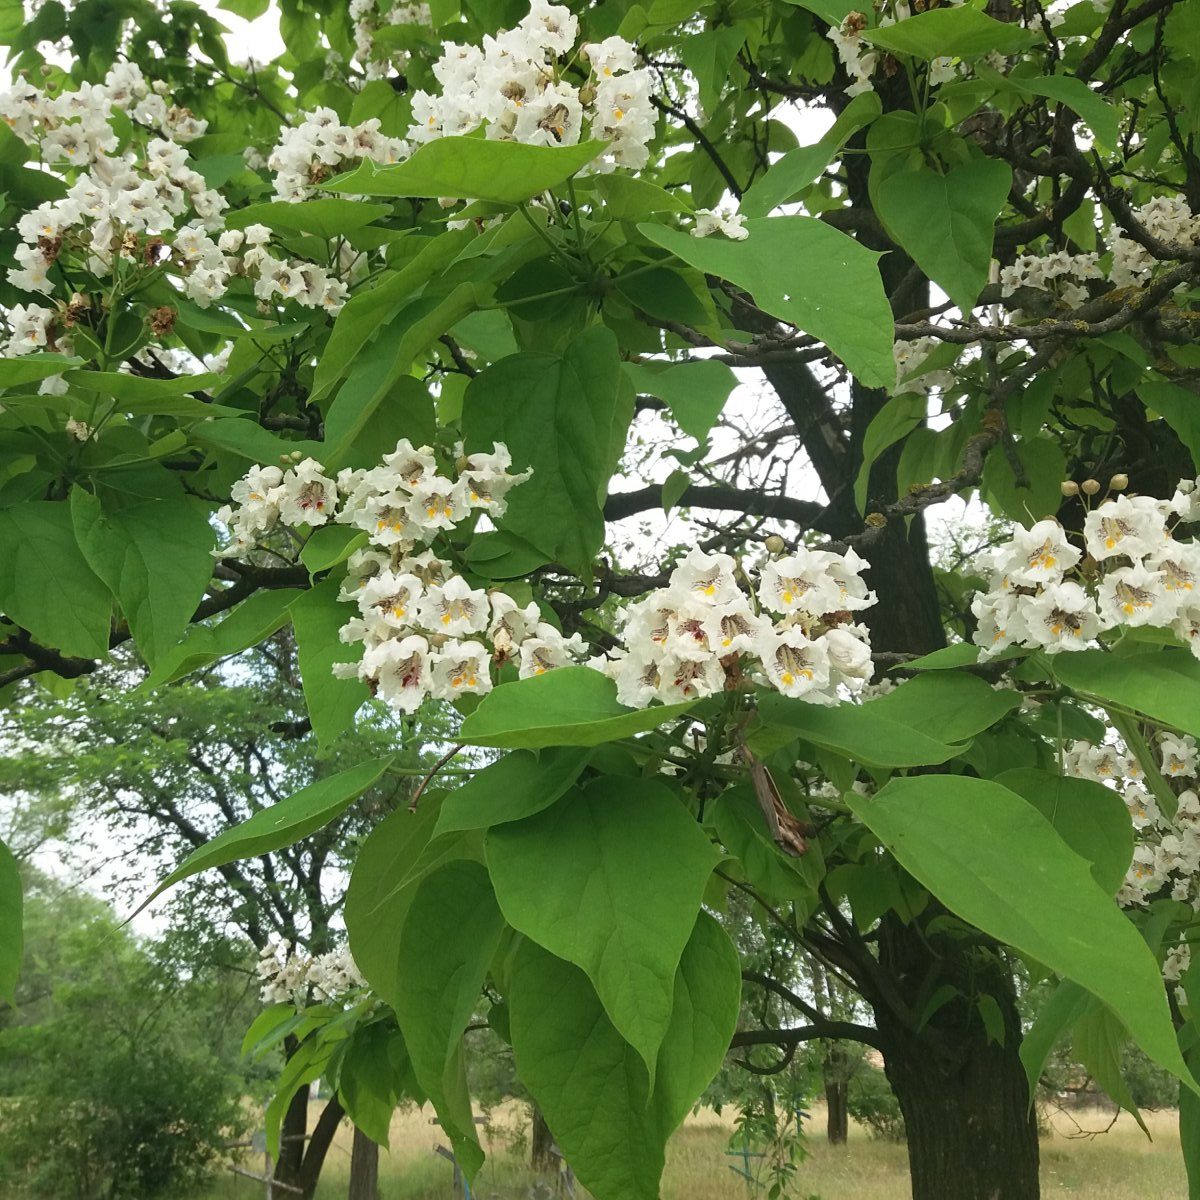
[{"x": 1118, "y": 1165}]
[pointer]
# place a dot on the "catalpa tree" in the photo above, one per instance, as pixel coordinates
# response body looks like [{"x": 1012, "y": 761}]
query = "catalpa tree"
[{"x": 355, "y": 341}]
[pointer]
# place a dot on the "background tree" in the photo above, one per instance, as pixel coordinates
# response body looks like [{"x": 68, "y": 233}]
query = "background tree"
[{"x": 121, "y": 1076}]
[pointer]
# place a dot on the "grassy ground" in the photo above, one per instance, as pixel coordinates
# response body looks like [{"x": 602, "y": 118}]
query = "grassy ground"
[{"x": 1118, "y": 1165}]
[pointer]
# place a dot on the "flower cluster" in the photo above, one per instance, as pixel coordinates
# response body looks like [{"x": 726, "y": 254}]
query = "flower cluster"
[
  {"x": 1135, "y": 573},
  {"x": 1166, "y": 859},
  {"x": 321, "y": 146},
  {"x": 1166, "y": 218},
  {"x": 290, "y": 976},
  {"x": 369, "y": 16},
  {"x": 1060, "y": 273},
  {"x": 144, "y": 207},
  {"x": 515, "y": 87},
  {"x": 425, "y": 630},
  {"x": 702, "y": 633}
]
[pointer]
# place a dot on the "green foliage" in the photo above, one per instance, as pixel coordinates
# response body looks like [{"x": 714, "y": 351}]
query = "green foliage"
[
  {"x": 11, "y": 940},
  {"x": 584, "y": 879},
  {"x": 996, "y": 862},
  {"x": 116, "y": 1081}
]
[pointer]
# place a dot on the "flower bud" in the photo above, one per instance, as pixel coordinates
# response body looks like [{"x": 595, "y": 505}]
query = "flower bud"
[
  {"x": 1069, "y": 487},
  {"x": 1119, "y": 482},
  {"x": 1090, "y": 487},
  {"x": 775, "y": 544}
]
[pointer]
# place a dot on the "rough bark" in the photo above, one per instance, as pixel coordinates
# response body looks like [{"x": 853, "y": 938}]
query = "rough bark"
[
  {"x": 971, "y": 1131},
  {"x": 364, "y": 1168}
]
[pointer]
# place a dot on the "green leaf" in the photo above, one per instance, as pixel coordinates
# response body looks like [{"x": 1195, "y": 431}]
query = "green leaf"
[
  {"x": 709, "y": 56},
  {"x": 392, "y": 860},
  {"x": 11, "y": 944},
  {"x": 1044, "y": 466},
  {"x": 1089, "y": 817},
  {"x": 515, "y": 787},
  {"x": 367, "y": 312},
  {"x": 997, "y": 863},
  {"x": 663, "y": 293},
  {"x": 737, "y": 820},
  {"x": 799, "y": 167},
  {"x": 951, "y": 33},
  {"x": 446, "y": 945},
  {"x": 249, "y": 623},
  {"x": 588, "y": 880},
  {"x": 1066, "y": 1005},
  {"x": 329, "y": 545},
  {"x": 570, "y": 706},
  {"x": 628, "y": 198},
  {"x": 1163, "y": 685},
  {"x": 590, "y": 1084},
  {"x": 893, "y": 422},
  {"x": 380, "y": 374},
  {"x": 565, "y": 417},
  {"x": 155, "y": 558},
  {"x": 946, "y": 221},
  {"x": 249, "y": 440},
  {"x": 370, "y": 1078},
  {"x": 838, "y": 297},
  {"x": 473, "y": 168},
  {"x": 317, "y": 617},
  {"x": 29, "y": 368},
  {"x": 157, "y": 397},
  {"x": 890, "y": 731},
  {"x": 695, "y": 392},
  {"x": 1102, "y": 117},
  {"x": 1098, "y": 1042},
  {"x": 282, "y": 824},
  {"x": 46, "y": 585},
  {"x": 1179, "y": 407},
  {"x": 327, "y": 217}
]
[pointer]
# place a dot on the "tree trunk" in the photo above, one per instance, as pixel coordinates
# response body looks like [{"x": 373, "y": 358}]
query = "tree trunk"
[
  {"x": 318, "y": 1147},
  {"x": 837, "y": 1115},
  {"x": 292, "y": 1135},
  {"x": 364, "y": 1168},
  {"x": 971, "y": 1130},
  {"x": 542, "y": 1141}
]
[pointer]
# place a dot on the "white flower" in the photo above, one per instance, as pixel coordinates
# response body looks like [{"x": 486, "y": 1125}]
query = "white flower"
[
  {"x": 1037, "y": 555},
  {"x": 707, "y": 578},
  {"x": 710, "y": 221},
  {"x": 436, "y": 503},
  {"x": 401, "y": 671},
  {"x": 733, "y": 627},
  {"x": 1134, "y": 526},
  {"x": 849, "y": 651},
  {"x": 1178, "y": 754},
  {"x": 1061, "y": 617},
  {"x": 454, "y": 608},
  {"x": 638, "y": 677},
  {"x": 410, "y": 464},
  {"x": 799, "y": 582},
  {"x": 460, "y": 669},
  {"x": 610, "y": 57},
  {"x": 794, "y": 665},
  {"x": 511, "y": 624},
  {"x": 686, "y": 677},
  {"x": 1135, "y": 596},
  {"x": 306, "y": 496},
  {"x": 547, "y": 650},
  {"x": 391, "y": 598}
]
